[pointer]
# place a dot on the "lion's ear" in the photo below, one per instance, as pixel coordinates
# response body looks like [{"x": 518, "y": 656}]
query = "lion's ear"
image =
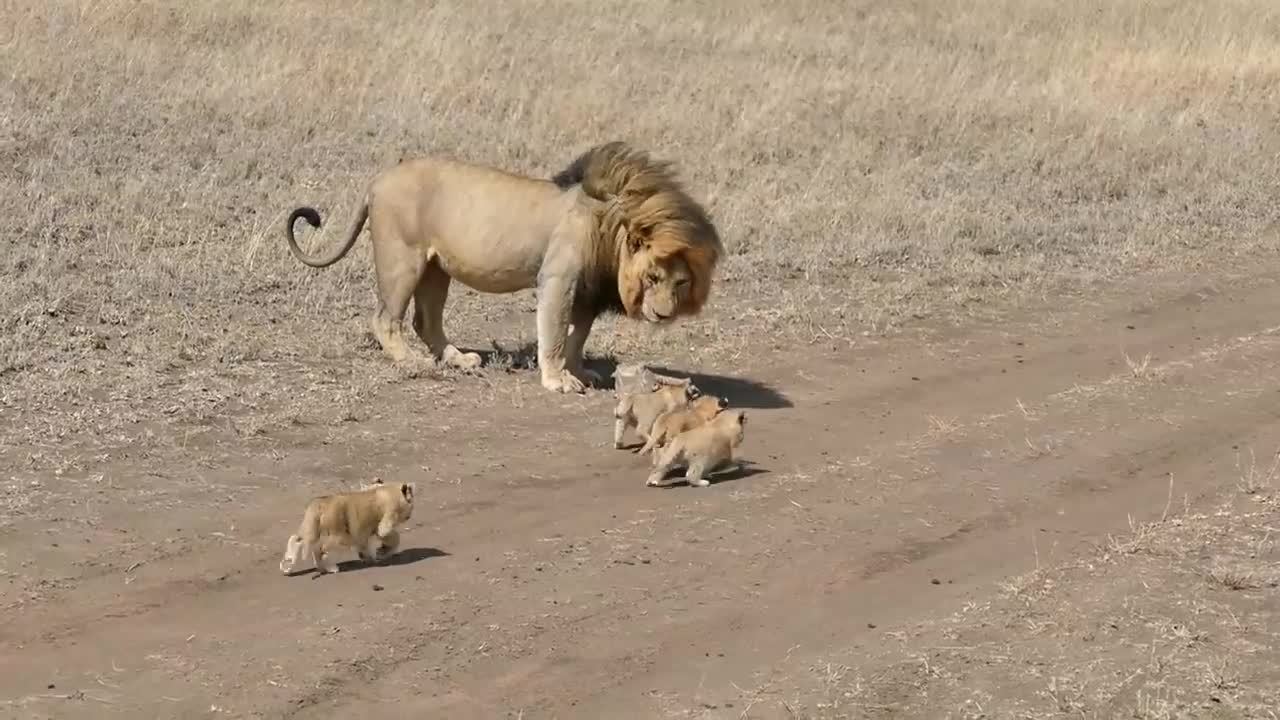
[
  {"x": 639, "y": 234},
  {"x": 637, "y": 238}
]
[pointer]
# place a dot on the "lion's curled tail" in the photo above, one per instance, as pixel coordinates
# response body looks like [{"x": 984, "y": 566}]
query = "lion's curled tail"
[{"x": 313, "y": 219}]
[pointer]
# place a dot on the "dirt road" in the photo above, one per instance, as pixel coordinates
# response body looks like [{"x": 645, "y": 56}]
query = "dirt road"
[{"x": 891, "y": 481}]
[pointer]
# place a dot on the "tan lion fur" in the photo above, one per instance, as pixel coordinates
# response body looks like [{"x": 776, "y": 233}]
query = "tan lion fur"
[
  {"x": 633, "y": 378},
  {"x": 365, "y": 520},
  {"x": 614, "y": 232},
  {"x": 639, "y": 410},
  {"x": 677, "y": 420},
  {"x": 703, "y": 450}
]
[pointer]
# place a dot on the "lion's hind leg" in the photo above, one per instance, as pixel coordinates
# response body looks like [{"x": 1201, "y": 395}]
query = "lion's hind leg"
[
  {"x": 665, "y": 461},
  {"x": 428, "y": 317},
  {"x": 657, "y": 437},
  {"x": 695, "y": 472},
  {"x": 322, "y": 553},
  {"x": 399, "y": 268},
  {"x": 621, "y": 421},
  {"x": 294, "y": 551}
]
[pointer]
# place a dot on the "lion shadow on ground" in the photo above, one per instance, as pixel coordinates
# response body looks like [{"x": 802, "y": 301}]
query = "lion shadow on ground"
[
  {"x": 407, "y": 556},
  {"x": 742, "y": 393},
  {"x": 744, "y": 470}
]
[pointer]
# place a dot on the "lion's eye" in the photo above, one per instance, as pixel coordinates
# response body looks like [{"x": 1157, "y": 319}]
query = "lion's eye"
[{"x": 652, "y": 279}]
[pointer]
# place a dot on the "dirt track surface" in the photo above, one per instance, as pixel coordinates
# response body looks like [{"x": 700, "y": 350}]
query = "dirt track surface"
[{"x": 890, "y": 482}]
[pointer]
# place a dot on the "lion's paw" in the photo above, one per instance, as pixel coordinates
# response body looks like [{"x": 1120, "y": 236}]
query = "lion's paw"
[{"x": 564, "y": 382}]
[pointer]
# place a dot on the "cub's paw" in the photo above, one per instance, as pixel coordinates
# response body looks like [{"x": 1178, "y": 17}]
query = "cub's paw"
[
  {"x": 454, "y": 357},
  {"x": 658, "y": 481}
]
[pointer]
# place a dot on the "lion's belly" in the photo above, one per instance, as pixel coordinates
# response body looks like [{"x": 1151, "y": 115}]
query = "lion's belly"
[{"x": 492, "y": 274}]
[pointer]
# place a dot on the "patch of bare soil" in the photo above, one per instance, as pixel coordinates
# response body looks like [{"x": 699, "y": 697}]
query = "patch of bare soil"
[
  {"x": 1175, "y": 618},
  {"x": 898, "y": 493},
  {"x": 914, "y": 196}
]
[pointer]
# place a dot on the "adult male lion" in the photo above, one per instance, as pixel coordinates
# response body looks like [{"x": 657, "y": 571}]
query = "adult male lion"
[{"x": 613, "y": 232}]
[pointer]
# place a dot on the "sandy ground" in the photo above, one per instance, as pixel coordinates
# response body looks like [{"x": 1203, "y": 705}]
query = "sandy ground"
[
  {"x": 891, "y": 485},
  {"x": 999, "y": 297}
]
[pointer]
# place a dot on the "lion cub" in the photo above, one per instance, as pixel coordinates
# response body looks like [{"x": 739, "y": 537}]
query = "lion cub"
[
  {"x": 364, "y": 520},
  {"x": 673, "y": 422},
  {"x": 640, "y": 409},
  {"x": 703, "y": 450}
]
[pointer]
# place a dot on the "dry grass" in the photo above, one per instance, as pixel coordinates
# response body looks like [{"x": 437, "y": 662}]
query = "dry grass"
[
  {"x": 1156, "y": 630},
  {"x": 868, "y": 162}
]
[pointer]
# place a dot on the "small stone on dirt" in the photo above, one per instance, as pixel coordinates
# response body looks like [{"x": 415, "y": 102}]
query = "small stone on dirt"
[
  {"x": 936, "y": 581},
  {"x": 377, "y": 588}
]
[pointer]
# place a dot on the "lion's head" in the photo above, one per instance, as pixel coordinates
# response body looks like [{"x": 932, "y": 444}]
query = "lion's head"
[{"x": 661, "y": 245}]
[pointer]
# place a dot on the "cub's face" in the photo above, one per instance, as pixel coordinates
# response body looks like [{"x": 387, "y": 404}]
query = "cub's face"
[{"x": 666, "y": 286}]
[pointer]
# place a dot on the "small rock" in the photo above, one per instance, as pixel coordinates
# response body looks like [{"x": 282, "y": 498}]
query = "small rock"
[
  {"x": 936, "y": 581},
  {"x": 377, "y": 588}
]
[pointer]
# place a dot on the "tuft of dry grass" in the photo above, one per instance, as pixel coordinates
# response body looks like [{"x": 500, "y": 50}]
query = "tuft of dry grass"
[
  {"x": 868, "y": 163},
  {"x": 1255, "y": 480}
]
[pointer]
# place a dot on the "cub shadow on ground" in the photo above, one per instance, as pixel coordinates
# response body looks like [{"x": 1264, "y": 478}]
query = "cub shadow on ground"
[
  {"x": 404, "y": 557},
  {"x": 742, "y": 393},
  {"x": 745, "y": 469}
]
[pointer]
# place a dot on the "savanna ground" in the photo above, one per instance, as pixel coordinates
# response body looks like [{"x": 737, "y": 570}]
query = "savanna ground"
[{"x": 1000, "y": 300}]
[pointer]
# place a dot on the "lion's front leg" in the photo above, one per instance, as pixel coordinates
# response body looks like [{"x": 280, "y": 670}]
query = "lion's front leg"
[
  {"x": 575, "y": 347},
  {"x": 555, "y": 298}
]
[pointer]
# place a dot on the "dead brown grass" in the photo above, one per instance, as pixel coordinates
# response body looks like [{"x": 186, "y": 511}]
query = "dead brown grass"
[
  {"x": 1177, "y": 621},
  {"x": 867, "y": 162}
]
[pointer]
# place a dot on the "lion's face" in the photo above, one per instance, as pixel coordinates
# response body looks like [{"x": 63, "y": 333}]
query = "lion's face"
[{"x": 666, "y": 286}]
